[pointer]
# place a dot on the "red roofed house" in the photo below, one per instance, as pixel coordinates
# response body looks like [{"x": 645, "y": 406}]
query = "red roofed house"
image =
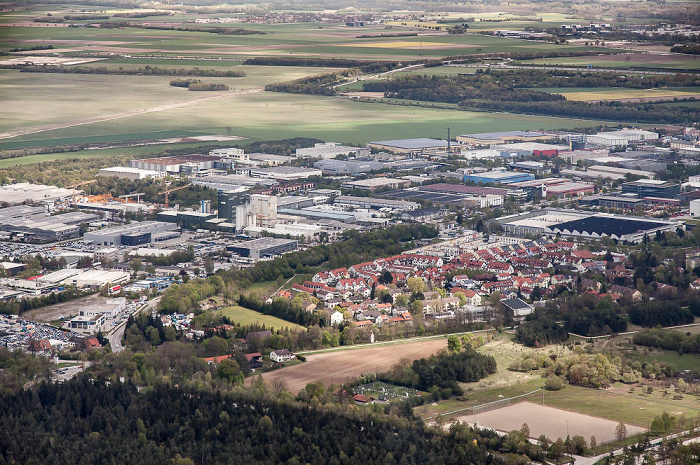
[{"x": 216, "y": 360}]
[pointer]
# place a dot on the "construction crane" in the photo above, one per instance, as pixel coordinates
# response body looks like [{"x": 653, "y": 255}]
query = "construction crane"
[
  {"x": 128, "y": 196},
  {"x": 167, "y": 191},
  {"x": 78, "y": 185}
]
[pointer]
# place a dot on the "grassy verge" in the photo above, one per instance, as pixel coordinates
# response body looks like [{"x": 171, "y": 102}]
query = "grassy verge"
[{"x": 245, "y": 316}]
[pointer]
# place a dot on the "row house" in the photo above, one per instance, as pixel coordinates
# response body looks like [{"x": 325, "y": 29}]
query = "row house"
[
  {"x": 500, "y": 267},
  {"x": 494, "y": 286},
  {"x": 300, "y": 288},
  {"x": 354, "y": 284},
  {"x": 366, "y": 266}
]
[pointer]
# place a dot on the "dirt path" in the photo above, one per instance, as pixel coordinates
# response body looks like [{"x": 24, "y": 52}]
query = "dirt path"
[
  {"x": 125, "y": 114},
  {"x": 345, "y": 365}
]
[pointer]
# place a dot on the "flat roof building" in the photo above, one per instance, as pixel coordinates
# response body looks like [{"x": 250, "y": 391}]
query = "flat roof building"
[
  {"x": 127, "y": 172},
  {"x": 285, "y": 173},
  {"x": 327, "y": 150},
  {"x": 410, "y": 146},
  {"x": 489, "y": 138},
  {"x": 263, "y": 247},
  {"x": 21, "y": 192},
  {"x": 368, "y": 202},
  {"x": 136, "y": 233},
  {"x": 498, "y": 177},
  {"x": 652, "y": 188},
  {"x": 373, "y": 184},
  {"x": 335, "y": 167}
]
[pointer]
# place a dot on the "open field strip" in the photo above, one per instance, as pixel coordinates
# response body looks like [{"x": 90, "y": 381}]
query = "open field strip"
[
  {"x": 246, "y": 317},
  {"x": 597, "y": 94},
  {"x": 344, "y": 366}
]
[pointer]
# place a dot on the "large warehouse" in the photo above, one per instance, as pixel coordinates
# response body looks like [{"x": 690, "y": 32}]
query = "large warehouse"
[
  {"x": 263, "y": 247},
  {"x": 652, "y": 188},
  {"x": 136, "y": 233},
  {"x": 585, "y": 225},
  {"x": 498, "y": 177},
  {"x": 410, "y": 146}
]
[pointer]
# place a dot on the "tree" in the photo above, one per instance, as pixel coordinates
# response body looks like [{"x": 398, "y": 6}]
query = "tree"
[
  {"x": 454, "y": 345},
  {"x": 385, "y": 278},
  {"x": 620, "y": 432},
  {"x": 229, "y": 369},
  {"x": 136, "y": 264},
  {"x": 416, "y": 285},
  {"x": 209, "y": 265}
]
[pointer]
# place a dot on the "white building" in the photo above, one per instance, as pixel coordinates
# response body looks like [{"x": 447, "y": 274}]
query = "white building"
[
  {"x": 127, "y": 172},
  {"x": 264, "y": 210},
  {"x": 329, "y": 150},
  {"x": 110, "y": 308},
  {"x": 231, "y": 154},
  {"x": 695, "y": 208}
]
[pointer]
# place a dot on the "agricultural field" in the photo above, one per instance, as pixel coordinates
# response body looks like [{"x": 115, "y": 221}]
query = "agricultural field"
[
  {"x": 636, "y": 61},
  {"x": 245, "y": 316},
  {"x": 40, "y": 113},
  {"x": 302, "y": 39},
  {"x": 335, "y": 367},
  {"x": 621, "y": 94}
]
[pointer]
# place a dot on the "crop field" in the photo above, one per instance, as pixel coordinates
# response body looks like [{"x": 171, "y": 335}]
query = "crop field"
[
  {"x": 552, "y": 422},
  {"x": 621, "y": 94},
  {"x": 302, "y": 39},
  {"x": 40, "y": 110},
  {"x": 340, "y": 366},
  {"x": 245, "y": 316},
  {"x": 638, "y": 60}
]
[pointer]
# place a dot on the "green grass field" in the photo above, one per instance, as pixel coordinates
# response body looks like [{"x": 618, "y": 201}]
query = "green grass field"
[
  {"x": 671, "y": 62},
  {"x": 245, "y": 316},
  {"x": 607, "y": 93},
  {"x": 44, "y": 105}
]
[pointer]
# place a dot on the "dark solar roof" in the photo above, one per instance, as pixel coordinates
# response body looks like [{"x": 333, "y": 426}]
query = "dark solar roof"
[
  {"x": 607, "y": 225},
  {"x": 515, "y": 304},
  {"x": 462, "y": 189}
]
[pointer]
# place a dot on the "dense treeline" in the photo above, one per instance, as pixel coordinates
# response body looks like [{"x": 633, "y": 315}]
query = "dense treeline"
[
  {"x": 690, "y": 49},
  {"x": 145, "y": 14},
  {"x": 445, "y": 371},
  {"x": 313, "y": 85},
  {"x": 144, "y": 71},
  {"x": 352, "y": 249},
  {"x": 96, "y": 422},
  {"x": 669, "y": 340},
  {"x": 305, "y": 61},
  {"x": 281, "y": 309},
  {"x": 663, "y": 313},
  {"x": 18, "y": 368},
  {"x": 540, "y": 332},
  {"x": 17, "y": 307},
  {"x": 183, "y": 82},
  {"x": 594, "y": 322},
  {"x": 484, "y": 91},
  {"x": 185, "y": 298},
  {"x": 31, "y": 49},
  {"x": 208, "y": 87},
  {"x": 85, "y": 17}
]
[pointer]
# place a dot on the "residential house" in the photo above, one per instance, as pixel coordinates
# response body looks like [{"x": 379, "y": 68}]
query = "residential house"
[
  {"x": 255, "y": 360},
  {"x": 281, "y": 356},
  {"x": 336, "y": 318}
]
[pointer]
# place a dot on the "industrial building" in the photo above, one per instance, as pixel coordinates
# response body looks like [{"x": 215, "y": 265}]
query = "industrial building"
[
  {"x": 263, "y": 247},
  {"x": 410, "y": 146},
  {"x": 530, "y": 149},
  {"x": 187, "y": 219},
  {"x": 620, "y": 138},
  {"x": 21, "y": 192},
  {"x": 43, "y": 227},
  {"x": 336, "y": 167},
  {"x": 285, "y": 173},
  {"x": 136, "y": 233},
  {"x": 374, "y": 203},
  {"x": 127, "y": 172},
  {"x": 329, "y": 150},
  {"x": 569, "y": 189},
  {"x": 584, "y": 225},
  {"x": 498, "y": 177},
  {"x": 175, "y": 165},
  {"x": 264, "y": 210},
  {"x": 652, "y": 188},
  {"x": 695, "y": 208},
  {"x": 373, "y": 184},
  {"x": 491, "y": 138},
  {"x": 624, "y": 202}
]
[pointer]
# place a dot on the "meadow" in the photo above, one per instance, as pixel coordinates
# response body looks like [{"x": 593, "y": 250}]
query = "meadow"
[
  {"x": 619, "y": 93},
  {"x": 245, "y": 317},
  {"x": 636, "y": 61}
]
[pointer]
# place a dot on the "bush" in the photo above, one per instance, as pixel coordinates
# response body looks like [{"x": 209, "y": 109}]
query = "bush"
[{"x": 553, "y": 383}]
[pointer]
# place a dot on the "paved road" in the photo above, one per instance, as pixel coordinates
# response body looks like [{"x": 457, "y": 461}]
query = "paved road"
[{"x": 117, "y": 334}]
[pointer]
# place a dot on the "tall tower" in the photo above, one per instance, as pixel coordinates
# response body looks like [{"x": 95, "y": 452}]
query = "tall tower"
[{"x": 448, "y": 139}]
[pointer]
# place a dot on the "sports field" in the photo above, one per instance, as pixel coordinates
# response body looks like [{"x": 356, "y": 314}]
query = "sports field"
[
  {"x": 554, "y": 423},
  {"x": 246, "y": 316},
  {"x": 345, "y": 365}
]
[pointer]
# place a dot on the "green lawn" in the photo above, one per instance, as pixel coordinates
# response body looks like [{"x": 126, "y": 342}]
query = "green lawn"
[
  {"x": 676, "y": 62},
  {"x": 245, "y": 316}
]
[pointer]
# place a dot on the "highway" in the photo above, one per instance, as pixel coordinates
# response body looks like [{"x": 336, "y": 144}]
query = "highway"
[{"x": 117, "y": 334}]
